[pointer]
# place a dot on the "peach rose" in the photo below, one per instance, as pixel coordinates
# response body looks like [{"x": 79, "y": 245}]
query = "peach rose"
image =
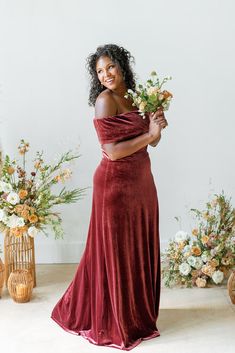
[
  {"x": 200, "y": 282},
  {"x": 22, "y": 194},
  {"x": 196, "y": 251},
  {"x": 213, "y": 263},
  {"x": 208, "y": 270},
  {"x": 33, "y": 218}
]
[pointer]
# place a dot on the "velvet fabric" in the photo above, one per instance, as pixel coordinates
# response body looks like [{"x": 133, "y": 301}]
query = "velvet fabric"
[{"x": 113, "y": 299}]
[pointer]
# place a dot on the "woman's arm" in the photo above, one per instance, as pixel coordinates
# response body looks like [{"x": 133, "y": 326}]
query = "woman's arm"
[
  {"x": 155, "y": 142},
  {"x": 106, "y": 106}
]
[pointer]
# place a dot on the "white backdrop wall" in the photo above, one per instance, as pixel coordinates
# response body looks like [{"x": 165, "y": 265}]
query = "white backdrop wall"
[{"x": 44, "y": 91}]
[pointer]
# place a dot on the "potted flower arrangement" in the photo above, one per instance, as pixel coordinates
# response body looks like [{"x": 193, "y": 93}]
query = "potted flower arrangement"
[
  {"x": 27, "y": 201},
  {"x": 207, "y": 256}
]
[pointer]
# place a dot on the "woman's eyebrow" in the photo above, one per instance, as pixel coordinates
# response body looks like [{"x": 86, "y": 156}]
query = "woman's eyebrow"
[{"x": 106, "y": 66}]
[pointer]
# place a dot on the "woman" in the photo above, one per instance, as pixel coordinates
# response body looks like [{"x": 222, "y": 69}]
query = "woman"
[{"x": 113, "y": 299}]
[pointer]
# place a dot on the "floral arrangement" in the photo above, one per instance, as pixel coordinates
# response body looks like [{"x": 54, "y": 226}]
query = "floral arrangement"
[
  {"x": 150, "y": 97},
  {"x": 208, "y": 254},
  {"x": 26, "y": 201}
]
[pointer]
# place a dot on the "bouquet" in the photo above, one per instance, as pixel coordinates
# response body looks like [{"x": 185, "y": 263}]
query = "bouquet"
[
  {"x": 26, "y": 201},
  {"x": 150, "y": 96},
  {"x": 208, "y": 254}
]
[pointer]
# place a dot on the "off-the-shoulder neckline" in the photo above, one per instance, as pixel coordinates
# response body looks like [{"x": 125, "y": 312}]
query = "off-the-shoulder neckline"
[{"x": 110, "y": 116}]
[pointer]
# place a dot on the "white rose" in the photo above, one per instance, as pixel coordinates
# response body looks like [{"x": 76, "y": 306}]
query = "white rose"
[
  {"x": 5, "y": 187},
  {"x": 205, "y": 257},
  {"x": 184, "y": 268},
  {"x": 181, "y": 236},
  {"x": 198, "y": 263},
  {"x": 191, "y": 260},
  {"x": 32, "y": 231},
  {"x": 13, "y": 198},
  {"x": 218, "y": 276},
  {"x": 14, "y": 221}
]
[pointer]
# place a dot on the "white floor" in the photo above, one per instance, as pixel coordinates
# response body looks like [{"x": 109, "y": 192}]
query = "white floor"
[{"x": 191, "y": 320}]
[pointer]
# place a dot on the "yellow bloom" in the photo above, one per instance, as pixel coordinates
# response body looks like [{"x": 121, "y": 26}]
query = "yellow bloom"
[
  {"x": 10, "y": 170},
  {"x": 196, "y": 251},
  {"x": 195, "y": 232},
  {"x": 37, "y": 164},
  {"x": 33, "y": 218},
  {"x": 22, "y": 194},
  {"x": 205, "y": 239},
  {"x": 142, "y": 106}
]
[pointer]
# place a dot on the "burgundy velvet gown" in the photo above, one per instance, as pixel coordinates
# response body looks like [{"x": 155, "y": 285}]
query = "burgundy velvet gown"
[{"x": 113, "y": 299}]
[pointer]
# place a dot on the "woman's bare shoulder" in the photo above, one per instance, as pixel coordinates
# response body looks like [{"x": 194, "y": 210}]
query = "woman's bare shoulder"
[{"x": 105, "y": 105}]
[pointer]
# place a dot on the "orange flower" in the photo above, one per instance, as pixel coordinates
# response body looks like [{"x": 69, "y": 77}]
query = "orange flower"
[
  {"x": 33, "y": 218},
  {"x": 196, "y": 251},
  {"x": 22, "y": 194},
  {"x": 10, "y": 170},
  {"x": 18, "y": 231},
  {"x": 167, "y": 94},
  {"x": 57, "y": 178}
]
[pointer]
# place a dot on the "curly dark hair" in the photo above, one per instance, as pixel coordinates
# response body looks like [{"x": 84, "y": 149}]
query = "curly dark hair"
[{"x": 118, "y": 55}]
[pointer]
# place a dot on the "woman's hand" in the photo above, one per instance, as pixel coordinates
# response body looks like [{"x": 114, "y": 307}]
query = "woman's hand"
[{"x": 157, "y": 123}]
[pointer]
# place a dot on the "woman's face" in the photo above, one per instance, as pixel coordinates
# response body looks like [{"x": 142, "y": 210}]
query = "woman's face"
[{"x": 109, "y": 73}]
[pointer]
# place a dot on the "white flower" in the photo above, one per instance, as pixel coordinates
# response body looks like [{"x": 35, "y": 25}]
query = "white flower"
[
  {"x": 205, "y": 256},
  {"x": 32, "y": 231},
  {"x": 13, "y": 198},
  {"x": 218, "y": 276},
  {"x": 5, "y": 187},
  {"x": 195, "y": 261},
  {"x": 184, "y": 268},
  {"x": 198, "y": 263},
  {"x": 15, "y": 221},
  {"x": 191, "y": 260},
  {"x": 181, "y": 236}
]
